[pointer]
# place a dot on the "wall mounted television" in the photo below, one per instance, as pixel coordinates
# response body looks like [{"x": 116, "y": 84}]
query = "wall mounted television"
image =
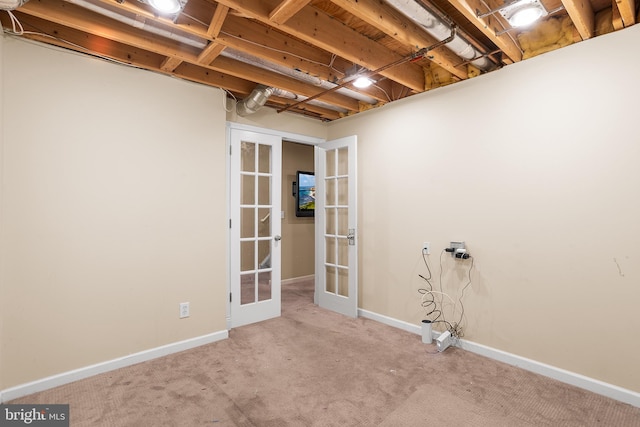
[{"x": 305, "y": 194}]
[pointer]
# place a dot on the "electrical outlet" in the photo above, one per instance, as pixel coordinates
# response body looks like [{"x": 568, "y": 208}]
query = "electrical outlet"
[
  {"x": 184, "y": 310},
  {"x": 457, "y": 245},
  {"x": 426, "y": 248}
]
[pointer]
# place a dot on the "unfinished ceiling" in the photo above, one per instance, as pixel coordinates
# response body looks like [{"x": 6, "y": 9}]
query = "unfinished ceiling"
[{"x": 303, "y": 55}]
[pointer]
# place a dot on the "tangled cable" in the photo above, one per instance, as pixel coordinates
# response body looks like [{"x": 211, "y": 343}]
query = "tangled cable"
[{"x": 434, "y": 309}]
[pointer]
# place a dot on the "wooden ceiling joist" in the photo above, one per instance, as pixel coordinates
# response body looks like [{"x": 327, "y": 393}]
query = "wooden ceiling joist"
[
  {"x": 320, "y": 29},
  {"x": 390, "y": 21},
  {"x": 489, "y": 25},
  {"x": 582, "y": 15},
  {"x": 627, "y": 10},
  {"x": 285, "y": 10}
]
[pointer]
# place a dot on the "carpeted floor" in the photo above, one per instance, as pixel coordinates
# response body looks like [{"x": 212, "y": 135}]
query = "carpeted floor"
[{"x": 313, "y": 367}]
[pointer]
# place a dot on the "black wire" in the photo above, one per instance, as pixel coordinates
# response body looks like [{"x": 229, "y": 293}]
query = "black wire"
[{"x": 463, "y": 289}]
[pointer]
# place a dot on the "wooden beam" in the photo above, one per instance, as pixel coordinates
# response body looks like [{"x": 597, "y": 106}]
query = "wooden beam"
[
  {"x": 285, "y": 10},
  {"x": 320, "y": 29},
  {"x": 490, "y": 26},
  {"x": 627, "y": 11},
  {"x": 72, "y": 16},
  {"x": 217, "y": 20},
  {"x": 86, "y": 43},
  {"x": 616, "y": 18},
  {"x": 581, "y": 13},
  {"x": 274, "y": 46},
  {"x": 395, "y": 25},
  {"x": 210, "y": 53},
  {"x": 270, "y": 78},
  {"x": 170, "y": 64}
]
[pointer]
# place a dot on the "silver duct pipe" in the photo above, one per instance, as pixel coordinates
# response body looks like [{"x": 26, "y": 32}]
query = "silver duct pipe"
[
  {"x": 254, "y": 101},
  {"x": 11, "y": 4},
  {"x": 290, "y": 72},
  {"x": 138, "y": 21},
  {"x": 440, "y": 30}
]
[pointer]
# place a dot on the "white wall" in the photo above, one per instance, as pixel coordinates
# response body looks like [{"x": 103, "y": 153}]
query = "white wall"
[
  {"x": 113, "y": 212},
  {"x": 536, "y": 167}
]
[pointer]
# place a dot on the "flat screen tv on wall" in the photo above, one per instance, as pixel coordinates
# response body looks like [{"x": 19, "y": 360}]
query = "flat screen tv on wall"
[{"x": 305, "y": 194}]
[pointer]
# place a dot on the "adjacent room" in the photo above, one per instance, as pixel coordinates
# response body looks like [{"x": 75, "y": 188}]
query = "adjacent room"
[{"x": 146, "y": 279}]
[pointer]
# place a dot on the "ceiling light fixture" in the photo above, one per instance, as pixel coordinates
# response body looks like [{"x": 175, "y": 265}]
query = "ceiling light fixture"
[
  {"x": 167, "y": 6},
  {"x": 523, "y": 13},
  {"x": 362, "y": 82}
]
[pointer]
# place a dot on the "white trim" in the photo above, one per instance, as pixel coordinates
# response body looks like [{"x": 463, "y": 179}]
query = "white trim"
[
  {"x": 110, "y": 365},
  {"x": 293, "y": 137},
  {"x": 294, "y": 280},
  {"x": 596, "y": 386}
]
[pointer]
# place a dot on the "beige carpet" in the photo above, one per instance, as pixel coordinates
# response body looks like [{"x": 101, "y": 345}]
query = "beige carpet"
[{"x": 312, "y": 367}]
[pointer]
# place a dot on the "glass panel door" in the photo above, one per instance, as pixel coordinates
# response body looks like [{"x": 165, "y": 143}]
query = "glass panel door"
[
  {"x": 336, "y": 218},
  {"x": 255, "y": 229}
]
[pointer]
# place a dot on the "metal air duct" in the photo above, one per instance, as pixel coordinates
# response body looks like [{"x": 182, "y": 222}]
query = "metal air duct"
[
  {"x": 254, "y": 101},
  {"x": 439, "y": 29},
  {"x": 11, "y": 4}
]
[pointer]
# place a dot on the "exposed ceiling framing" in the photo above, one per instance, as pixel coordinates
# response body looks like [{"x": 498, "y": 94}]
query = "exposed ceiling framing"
[{"x": 305, "y": 48}]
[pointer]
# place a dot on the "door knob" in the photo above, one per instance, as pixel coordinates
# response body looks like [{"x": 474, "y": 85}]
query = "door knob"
[{"x": 277, "y": 238}]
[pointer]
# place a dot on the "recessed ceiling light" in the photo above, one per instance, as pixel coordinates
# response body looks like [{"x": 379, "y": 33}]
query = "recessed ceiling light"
[
  {"x": 362, "y": 82},
  {"x": 166, "y": 6},
  {"x": 523, "y": 13}
]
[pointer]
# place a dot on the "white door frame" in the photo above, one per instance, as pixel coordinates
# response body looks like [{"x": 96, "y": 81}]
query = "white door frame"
[{"x": 293, "y": 137}]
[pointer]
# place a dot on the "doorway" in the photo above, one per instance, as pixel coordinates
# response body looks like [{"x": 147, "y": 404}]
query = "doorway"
[{"x": 298, "y": 232}]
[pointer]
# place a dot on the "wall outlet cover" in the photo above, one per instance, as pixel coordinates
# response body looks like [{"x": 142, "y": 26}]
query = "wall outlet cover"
[{"x": 184, "y": 310}]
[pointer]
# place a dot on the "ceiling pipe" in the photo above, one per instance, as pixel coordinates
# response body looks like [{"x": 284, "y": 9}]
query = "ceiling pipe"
[
  {"x": 138, "y": 21},
  {"x": 254, "y": 101},
  {"x": 11, "y": 4},
  {"x": 439, "y": 29},
  {"x": 422, "y": 52},
  {"x": 293, "y": 73}
]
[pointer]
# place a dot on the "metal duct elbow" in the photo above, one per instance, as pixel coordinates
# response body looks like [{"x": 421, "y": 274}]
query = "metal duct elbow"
[{"x": 254, "y": 101}]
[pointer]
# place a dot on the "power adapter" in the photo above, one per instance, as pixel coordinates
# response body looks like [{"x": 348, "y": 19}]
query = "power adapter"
[{"x": 444, "y": 341}]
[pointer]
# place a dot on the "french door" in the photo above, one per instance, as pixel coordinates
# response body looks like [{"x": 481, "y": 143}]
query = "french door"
[
  {"x": 255, "y": 203},
  {"x": 336, "y": 226}
]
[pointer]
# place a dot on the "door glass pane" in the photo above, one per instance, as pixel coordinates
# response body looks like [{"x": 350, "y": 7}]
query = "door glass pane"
[
  {"x": 330, "y": 214},
  {"x": 247, "y": 190},
  {"x": 264, "y": 224},
  {"x": 264, "y": 253},
  {"x": 247, "y": 222},
  {"x": 331, "y": 192},
  {"x": 247, "y": 256},
  {"x": 331, "y": 250},
  {"x": 330, "y": 279},
  {"x": 264, "y": 190},
  {"x": 343, "y": 191},
  {"x": 264, "y": 286},
  {"x": 343, "y": 221},
  {"x": 343, "y": 252},
  {"x": 343, "y": 161},
  {"x": 331, "y": 163},
  {"x": 248, "y": 157},
  {"x": 343, "y": 282},
  {"x": 264, "y": 158},
  {"x": 247, "y": 288}
]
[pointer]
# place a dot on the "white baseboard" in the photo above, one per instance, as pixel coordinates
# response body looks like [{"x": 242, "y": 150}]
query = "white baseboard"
[
  {"x": 110, "y": 365},
  {"x": 596, "y": 386},
  {"x": 296, "y": 279}
]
